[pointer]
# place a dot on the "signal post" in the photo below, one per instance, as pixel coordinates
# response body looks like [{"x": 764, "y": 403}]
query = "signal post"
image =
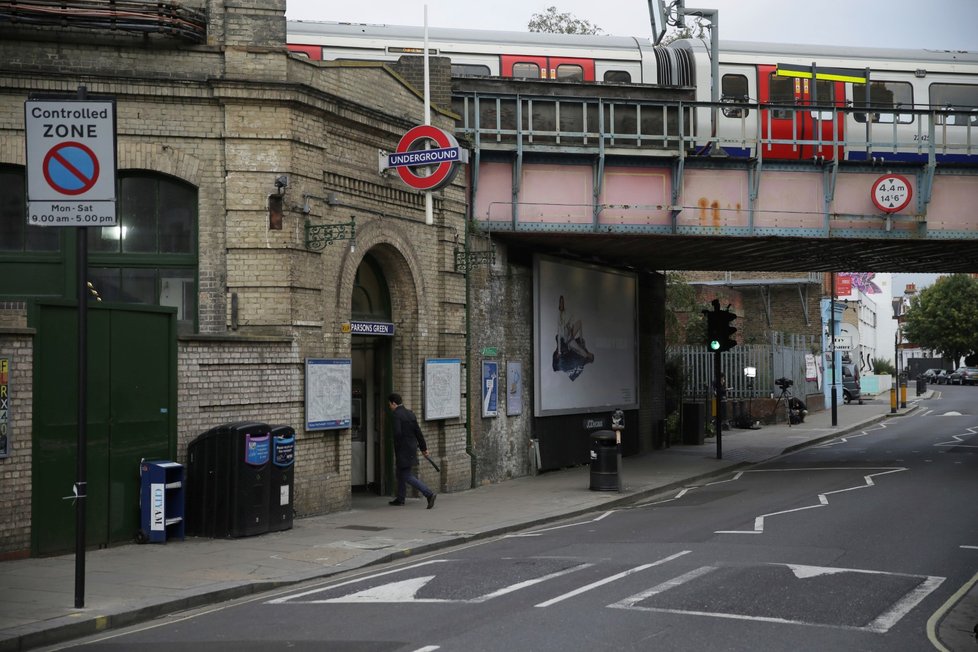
[{"x": 719, "y": 338}]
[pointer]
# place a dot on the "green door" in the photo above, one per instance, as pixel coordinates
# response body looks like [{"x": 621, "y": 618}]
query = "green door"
[{"x": 131, "y": 415}]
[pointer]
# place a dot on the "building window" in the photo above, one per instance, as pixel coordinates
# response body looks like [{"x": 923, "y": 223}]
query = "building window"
[
  {"x": 150, "y": 256},
  {"x": 885, "y": 97},
  {"x": 15, "y": 234}
]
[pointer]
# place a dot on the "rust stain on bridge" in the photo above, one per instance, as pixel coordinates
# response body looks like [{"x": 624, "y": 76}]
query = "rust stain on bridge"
[{"x": 709, "y": 212}]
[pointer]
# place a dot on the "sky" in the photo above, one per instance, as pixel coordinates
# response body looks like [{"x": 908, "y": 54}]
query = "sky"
[{"x": 931, "y": 24}]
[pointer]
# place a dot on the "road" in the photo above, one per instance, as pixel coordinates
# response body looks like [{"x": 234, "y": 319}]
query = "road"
[{"x": 854, "y": 544}]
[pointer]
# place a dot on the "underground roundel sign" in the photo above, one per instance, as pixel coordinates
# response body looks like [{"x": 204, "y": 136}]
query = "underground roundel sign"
[
  {"x": 427, "y": 148},
  {"x": 892, "y": 193}
]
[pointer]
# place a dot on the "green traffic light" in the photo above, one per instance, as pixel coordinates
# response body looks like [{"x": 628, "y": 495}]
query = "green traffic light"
[{"x": 714, "y": 345}]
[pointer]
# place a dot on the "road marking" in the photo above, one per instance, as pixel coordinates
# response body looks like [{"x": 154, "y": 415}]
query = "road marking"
[
  {"x": 939, "y": 614},
  {"x": 844, "y": 439},
  {"x": 631, "y": 601},
  {"x": 823, "y": 499},
  {"x": 970, "y": 547},
  {"x": 610, "y": 579},
  {"x": 956, "y": 440},
  {"x": 354, "y": 581},
  {"x": 536, "y": 533}
]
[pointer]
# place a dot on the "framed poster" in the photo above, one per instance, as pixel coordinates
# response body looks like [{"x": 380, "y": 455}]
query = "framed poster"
[
  {"x": 329, "y": 393},
  {"x": 442, "y": 388},
  {"x": 586, "y": 338},
  {"x": 514, "y": 388},
  {"x": 490, "y": 388}
]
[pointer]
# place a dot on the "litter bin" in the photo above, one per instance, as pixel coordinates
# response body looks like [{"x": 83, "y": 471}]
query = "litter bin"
[
  {"x": 228, "y": 481},
  {"x": 694, "y": 423},
  {"x": 280, "y": 508},
  {"x": 921, "y": 386},
  {"x": 604, "y": 461}
]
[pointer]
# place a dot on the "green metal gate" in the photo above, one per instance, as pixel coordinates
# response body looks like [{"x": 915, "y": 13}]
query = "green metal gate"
[{"x": 132, "y": 397}]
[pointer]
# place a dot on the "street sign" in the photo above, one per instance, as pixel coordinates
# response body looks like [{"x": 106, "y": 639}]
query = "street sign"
[
  {"x": 892, "y": 193},
  {"x": 843, "y": 342},
  {"x": 71, "y": 163},
  {"x": 444, "y": 157}
]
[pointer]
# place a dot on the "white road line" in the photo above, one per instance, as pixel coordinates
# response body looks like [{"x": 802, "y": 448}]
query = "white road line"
[
  {"x": 289, "y": 598},
  {"x": 844, "y": 439},
  {"x": 428, "y": 648},
  {"x": 536, "y": 533},
  {"x": 610, "y": 579},
  {"x": 956, "y": 440},
  {"x": 523, "y": 585},
  {"x": 631, "y": 601},
  {"x": 970, "y": 547},
  {"x": 822, "y": 498},
  {"x": 888, "y": 619}
]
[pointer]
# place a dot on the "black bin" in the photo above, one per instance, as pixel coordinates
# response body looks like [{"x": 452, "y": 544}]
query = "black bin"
[
  {"x": 281, "y": 481},
  {"x": 228, "y": 481},
  {"x": 921, "y": 386},
  {"x": 604, "y": 461}
]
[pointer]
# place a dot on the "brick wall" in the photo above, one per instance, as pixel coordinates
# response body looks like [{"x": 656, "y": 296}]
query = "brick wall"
[{"x": 17, "y": 346}]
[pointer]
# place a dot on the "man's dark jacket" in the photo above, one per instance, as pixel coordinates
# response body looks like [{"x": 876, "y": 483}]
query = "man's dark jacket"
[{"x": 407, "y": 438}]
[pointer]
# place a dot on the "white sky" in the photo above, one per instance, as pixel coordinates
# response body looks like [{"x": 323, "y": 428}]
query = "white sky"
[{"x": 933, "y": 24}]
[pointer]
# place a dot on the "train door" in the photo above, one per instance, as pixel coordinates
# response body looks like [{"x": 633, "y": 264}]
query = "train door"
[
  {"x": 560, "y": 68},
  {"x": 793, "y": 123}
]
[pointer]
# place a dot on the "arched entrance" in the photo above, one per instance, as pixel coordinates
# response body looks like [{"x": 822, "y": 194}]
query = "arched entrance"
[{"x": 372, "y": 332}]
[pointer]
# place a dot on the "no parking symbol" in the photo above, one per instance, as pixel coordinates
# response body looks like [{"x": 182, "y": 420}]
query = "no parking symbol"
[{"x": 70, "y": 162}]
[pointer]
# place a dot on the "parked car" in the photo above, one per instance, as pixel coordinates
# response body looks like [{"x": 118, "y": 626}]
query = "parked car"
[
  {"x": 969, "y": 375},
  {"x": 850, "y": 384},
  {"x": 942, "y": 376},
  {"x": 960, "y": 376},
  {"x": 930, "y": 375}
]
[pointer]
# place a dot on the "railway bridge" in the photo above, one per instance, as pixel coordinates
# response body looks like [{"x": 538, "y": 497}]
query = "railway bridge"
[{"x": 622, "y": 174}]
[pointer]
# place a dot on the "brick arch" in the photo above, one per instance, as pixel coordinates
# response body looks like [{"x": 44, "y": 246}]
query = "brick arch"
[{"x": 160, "y": 158}]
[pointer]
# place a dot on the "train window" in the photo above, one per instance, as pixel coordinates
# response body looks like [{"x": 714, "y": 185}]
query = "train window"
[
  {"x": 782, "y": 91},
  {"x": 526, "y": 71},
  {"x": 619, "y": 76},
  {"x": 470, "y": 70},
  {"x": 962, "y": 97},
  {"x": 824, "y": 94},
  {"x": 884, "y": 98},
  {"x": 570, "y": 72},
  {"x": 733, "y": 88}
]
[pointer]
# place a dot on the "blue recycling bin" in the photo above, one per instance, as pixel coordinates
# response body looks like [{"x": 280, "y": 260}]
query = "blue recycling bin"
[
  {"x": 228, "y": 481},
  {"x": 281, "y": 482}
]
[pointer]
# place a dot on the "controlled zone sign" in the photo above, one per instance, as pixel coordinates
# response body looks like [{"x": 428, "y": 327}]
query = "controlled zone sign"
[
  {"x": 70, "y": 162},
  {"x": 426, "y": 147}
]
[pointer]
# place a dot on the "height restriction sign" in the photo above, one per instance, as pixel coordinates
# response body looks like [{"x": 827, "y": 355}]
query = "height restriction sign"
[{"x": 70, "y": 162}]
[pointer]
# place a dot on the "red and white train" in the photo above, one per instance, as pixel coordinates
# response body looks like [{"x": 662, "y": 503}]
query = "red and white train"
[{"x": 917, "y": 100}]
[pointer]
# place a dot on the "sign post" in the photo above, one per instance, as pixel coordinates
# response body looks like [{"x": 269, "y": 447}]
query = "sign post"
[{"x": 71, "y": 182}]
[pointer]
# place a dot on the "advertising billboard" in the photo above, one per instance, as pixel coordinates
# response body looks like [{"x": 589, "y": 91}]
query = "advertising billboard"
[{"x": 586, "y": 344}]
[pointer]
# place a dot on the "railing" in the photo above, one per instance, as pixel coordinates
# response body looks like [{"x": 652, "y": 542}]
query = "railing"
[
  {"x": 784, "y": 357},
  {"x": 537, "y": 122}
]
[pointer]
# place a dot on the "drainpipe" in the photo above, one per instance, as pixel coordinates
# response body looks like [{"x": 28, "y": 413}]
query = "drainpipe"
[{"x": 468, "y": 338}]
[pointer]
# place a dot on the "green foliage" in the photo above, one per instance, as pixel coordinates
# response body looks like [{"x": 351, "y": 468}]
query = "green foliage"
[
  {"x": 944, "y": 317},
  {"x": 554, "y": 22},
  {"x": 696, "y": 28},
  {"x": 680, "y": 300},
  {"x": 883, "y": 367}
]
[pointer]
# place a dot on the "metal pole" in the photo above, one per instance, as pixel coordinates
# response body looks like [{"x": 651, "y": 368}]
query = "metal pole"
[
  {"x": 834, "y": 399},
  {"x": 81, "y": 484},
  {"x": 717, "y": 422}
]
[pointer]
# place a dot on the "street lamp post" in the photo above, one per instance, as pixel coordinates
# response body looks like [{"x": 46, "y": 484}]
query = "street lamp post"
[{"x": 897, "y": 314}]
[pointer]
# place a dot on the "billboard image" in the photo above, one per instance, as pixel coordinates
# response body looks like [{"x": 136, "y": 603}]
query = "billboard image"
[{"x": 585, "y": 345}]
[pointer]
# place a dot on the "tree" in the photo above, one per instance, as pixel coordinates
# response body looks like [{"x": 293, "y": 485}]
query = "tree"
[
  {"x": 681, "y": 300},
  {"x": 555, "y": 22},
  {"x": 944, "y": 317}
]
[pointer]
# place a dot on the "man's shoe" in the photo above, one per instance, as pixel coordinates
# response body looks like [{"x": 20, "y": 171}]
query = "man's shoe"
[
  {"x": 397, "y": 503},
  {"x": 431, "y": 500}
]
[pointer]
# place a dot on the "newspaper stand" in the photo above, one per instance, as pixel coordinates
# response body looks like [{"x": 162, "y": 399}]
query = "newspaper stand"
[{"x": 161, "y": 501}]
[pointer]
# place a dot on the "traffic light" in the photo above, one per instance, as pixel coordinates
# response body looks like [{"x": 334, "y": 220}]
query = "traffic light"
[{"x": 719, "y": 329}]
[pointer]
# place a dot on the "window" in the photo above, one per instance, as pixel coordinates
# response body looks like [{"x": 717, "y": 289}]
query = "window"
[
  {"x": 526, "y": 71},
  {"x": 733, "y": 88},
  {"x": 617, "y": 76},
  {"x": 570, "y": 72},
  {"x": 150, "y": 256},
  {"x": 884, "y": 98},
  {"x": 782, "y": 91},
  {"x": 15, "y": 233},
  {"x": 470, "y": 70},
  {"x": 824, "y": 95},
  {"x": 955, "y": 96}
]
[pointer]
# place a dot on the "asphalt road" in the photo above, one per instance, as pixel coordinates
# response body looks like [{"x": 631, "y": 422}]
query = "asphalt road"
[{"x": 854, "y": 544}]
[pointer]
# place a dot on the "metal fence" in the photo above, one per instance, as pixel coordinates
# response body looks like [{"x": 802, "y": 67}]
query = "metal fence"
[{"x": 784, "y": 357}]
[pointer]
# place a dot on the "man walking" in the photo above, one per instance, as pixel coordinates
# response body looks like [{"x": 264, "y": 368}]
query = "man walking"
[{"x": 407, "y": 440}]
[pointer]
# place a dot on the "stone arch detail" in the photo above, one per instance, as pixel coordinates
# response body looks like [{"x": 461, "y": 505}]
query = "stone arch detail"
[{"x": 160, "y": 158}]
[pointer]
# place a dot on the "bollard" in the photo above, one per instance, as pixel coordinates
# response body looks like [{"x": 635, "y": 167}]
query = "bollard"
[
  {"x": 893, "y": 400},
  {"x": 903, "y": 394}
]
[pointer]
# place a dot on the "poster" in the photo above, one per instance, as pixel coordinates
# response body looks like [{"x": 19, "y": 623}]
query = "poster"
[
  {"x": 442, "y": 388},
  {"x": 490, "y": 388},
  {"x": 514, "y": 388},
  {"x": 4, "y": 407},
  {"x": 329, "y": 393}
]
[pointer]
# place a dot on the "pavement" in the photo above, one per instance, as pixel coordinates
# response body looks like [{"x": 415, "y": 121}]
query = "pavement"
[{"x": 129, "y": 584}]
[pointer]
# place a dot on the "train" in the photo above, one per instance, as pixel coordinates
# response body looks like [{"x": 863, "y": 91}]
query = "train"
[{"x": 779, "y": 101}]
